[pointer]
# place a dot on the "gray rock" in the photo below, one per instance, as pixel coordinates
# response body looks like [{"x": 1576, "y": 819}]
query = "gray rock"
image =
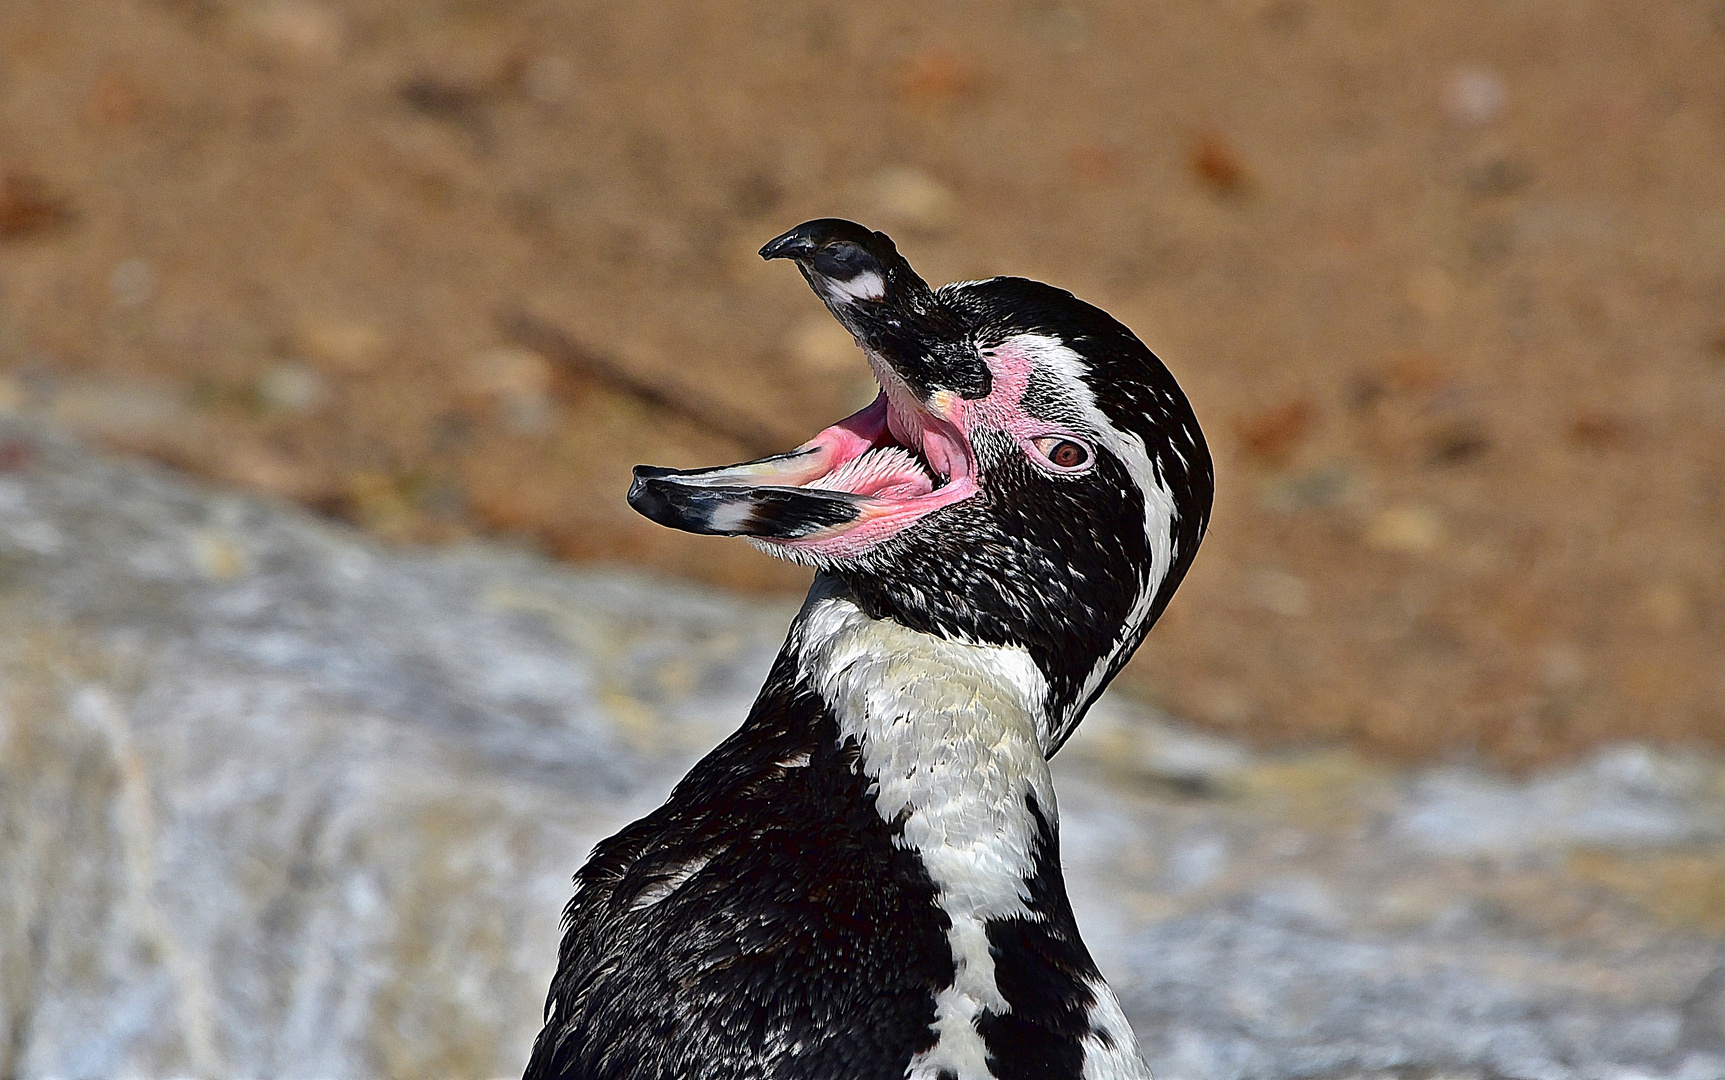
[
  {"x": 1704, "y": 1012},
  {"x": 275, "y": 801}
]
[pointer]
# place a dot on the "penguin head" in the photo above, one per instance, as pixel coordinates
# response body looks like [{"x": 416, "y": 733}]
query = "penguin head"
[{"x": 1029, "y": 476}]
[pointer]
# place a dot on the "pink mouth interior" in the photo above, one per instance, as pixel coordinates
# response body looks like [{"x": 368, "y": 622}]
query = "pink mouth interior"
[
  {"x": 882, "y": 453},
  {"x": 901, "y": 460}
]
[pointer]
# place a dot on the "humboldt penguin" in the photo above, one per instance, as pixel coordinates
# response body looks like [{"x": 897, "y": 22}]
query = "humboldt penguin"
[{"x": 863, "y": 881}]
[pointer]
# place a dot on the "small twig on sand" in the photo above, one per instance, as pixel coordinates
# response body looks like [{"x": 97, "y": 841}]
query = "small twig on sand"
[{"x": 753, "y": 433}]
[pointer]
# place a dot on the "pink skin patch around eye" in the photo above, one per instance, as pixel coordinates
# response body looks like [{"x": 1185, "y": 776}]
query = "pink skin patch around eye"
[{"x": 1003, "y": 408}]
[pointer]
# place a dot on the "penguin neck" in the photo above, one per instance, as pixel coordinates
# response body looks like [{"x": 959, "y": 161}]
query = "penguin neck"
[
  {"x": 910, "y": 697},
  {"x": 950, "y": 737},
  {"x": 839, "y": 649}
]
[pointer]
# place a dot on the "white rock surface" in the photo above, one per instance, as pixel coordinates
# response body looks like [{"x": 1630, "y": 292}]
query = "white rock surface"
[{"x": 277, "y": 802}]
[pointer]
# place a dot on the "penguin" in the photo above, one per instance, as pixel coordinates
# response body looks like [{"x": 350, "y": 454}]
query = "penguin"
[{"x": 863, "y": 881}]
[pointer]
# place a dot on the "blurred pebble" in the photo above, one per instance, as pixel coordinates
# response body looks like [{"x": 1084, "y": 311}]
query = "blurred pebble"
[
  {"x": 293, "y": 388},
  {"x": 1225, "y": 703},
  {"x": 1272, "y": 435},
  {"x": 1216, "y": 164},
  {"x": 1457, "y": 442},
  {"x": 1432, "y": 292},
  {"x": 1095, "y": 163},
  {"x": 15, "y": 454},
  {"x": 909, "y": 197},
  {"x": 1666, "y": 605},
  {"x": 1194, "y": 864},
  {"x": 1495, "y": 175},
  {"x": 218, "y": 556},
  {"x": 115, "y": 101},
  {"x": 820, "y": 344},
  {"x": 1302, "y": 897},
  {"x": 266, "y": 470},
  {"x": 119, "y": 410},
  {"x": 1411, "y": 530},
  {"x": 1305, "y": 491},
  {"x": 508, "y": 370},
  {"x": 1365, "y": 390},
  {"x": 1491, "y": 240},
  {"x": 1473, "y": 97},
  {"x": 1281, "y": 593},
  {"x": 936, "y": 76},
  {"x": 756, "y": 193},
  {"x": 1417, "y": 371},
  {"x": 132, "y": 283},
  {"x": 437, "y": 497},
  {"x": 1547, "y": 223},
  {"x": 341, "y": 344},
  {"x": 1597, "y": 430},
  {"x": 299, "y": 31},
  {"x": 550, "y": 80},
  {"x": 39, "y": 537},
  {"x": 442, "y": 98},
  {"x": 29, "y": 206},
  {"x": 518, "y": 381},
  {"x": 376, "y": 500}
]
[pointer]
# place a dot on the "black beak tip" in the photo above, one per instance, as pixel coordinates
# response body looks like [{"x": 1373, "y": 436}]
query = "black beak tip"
[
  {"x": 654, "y": 501},
  {"x": 644, "y": 495},
  {"x": 639, "y": 491},
  {"x": 795, "y": 244}
]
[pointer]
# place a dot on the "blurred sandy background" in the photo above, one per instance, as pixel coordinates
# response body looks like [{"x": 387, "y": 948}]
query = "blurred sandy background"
[{"x": 1445, "y": 282}]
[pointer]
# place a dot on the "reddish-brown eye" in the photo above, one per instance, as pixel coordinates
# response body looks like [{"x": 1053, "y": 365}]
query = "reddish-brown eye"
[{"x": 1063, "y": 453}]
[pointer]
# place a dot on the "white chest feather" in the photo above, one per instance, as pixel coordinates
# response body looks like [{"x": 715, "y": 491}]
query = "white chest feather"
[{"x": 948, "y": 733}]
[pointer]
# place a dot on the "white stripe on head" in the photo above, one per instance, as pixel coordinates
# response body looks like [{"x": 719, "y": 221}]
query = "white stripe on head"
[
  {"x": 1054, "y": 358},
  {"x": 867, "y": 285}
]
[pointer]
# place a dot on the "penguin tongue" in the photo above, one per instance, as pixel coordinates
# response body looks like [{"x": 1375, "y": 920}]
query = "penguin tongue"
[{"x": 854, "y": 472}]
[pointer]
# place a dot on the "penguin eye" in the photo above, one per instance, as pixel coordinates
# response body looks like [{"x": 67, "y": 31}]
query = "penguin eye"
[{"x": 1064, "y": 454}]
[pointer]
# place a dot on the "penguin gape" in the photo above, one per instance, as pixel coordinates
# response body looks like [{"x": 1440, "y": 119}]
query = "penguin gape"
[{"x": 863, "y": 881}]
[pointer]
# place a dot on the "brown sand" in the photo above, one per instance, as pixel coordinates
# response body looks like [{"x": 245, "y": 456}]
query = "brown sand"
[{"x": 1445, "y": 282}]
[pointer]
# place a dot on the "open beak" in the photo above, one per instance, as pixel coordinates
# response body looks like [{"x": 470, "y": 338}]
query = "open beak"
[
  {"x": 872, "y": 474},
  {"x": 864, "y": 478}
]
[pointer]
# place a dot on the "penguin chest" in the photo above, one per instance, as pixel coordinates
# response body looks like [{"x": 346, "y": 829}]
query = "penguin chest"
[{"x": 950, "y": 738}]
